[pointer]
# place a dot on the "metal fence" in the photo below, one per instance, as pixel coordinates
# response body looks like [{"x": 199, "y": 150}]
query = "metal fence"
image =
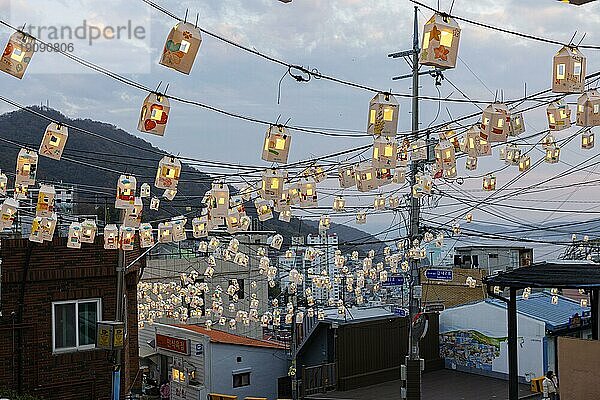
[{"x": 318, "y": 379}]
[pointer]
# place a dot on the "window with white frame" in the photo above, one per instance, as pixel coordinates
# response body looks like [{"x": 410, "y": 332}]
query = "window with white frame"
[{"x": 74, "y": 324}]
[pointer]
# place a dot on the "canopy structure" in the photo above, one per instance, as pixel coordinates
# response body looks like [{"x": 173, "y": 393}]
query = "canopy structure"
[{"x": 559, "y": 275}]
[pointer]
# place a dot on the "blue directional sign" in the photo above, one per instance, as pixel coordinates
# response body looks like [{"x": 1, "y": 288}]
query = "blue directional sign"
[
  {"x": 401, "y": 312},
  {"x": 394, "y": 280},
  {"x": 439, "y": 274}
]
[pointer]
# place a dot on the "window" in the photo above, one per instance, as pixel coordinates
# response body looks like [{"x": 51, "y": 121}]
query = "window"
[
  {"x": 242, "y": 379},
  {"x": 560, "y": 71},
  {"x": 493, "y": 255},
  {"x": 74, "y": 324}
]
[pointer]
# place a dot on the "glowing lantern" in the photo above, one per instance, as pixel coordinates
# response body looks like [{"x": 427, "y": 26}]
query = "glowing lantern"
[
  {"x": 418, "y": 150},
  {"x": 441, "y": 36},
  {"x": 220, "y": 192},
  {"x": 379, "y": 203},
  {"x": 125, "y": 192},
  {"x": 450, "y": 173},
  {"x": 167, "y": 175},
  {"x": 178, "y": 228},
  {"x": 36, "y": 232},
  {"x": 316, "y": 172},
  {"x": 155, "y": 114},
  {"x": 399, "y": 176},
  {"x": 277, "y": 144},
  {"x": 45, "y": 201},
  {"x": 54, "y": 141},
  {"x": 524, "y": 163},
  {"x": 469, "y": 217},
  {"x": 308, "y": 194},
  {"x": 165, "y": 232},
  {"x": 587, "y": 139},
  {"x": 181, "y": 47},
  {"x": 154, "y": 203},
  {"x": 133, "y": 215},
  {"x": 339, "y": 204},
  {"x": 126, "y": 238},
  {"x": 548, "y": 141},
  {"x": 384, "y": 152},
  {"x": 471, "y": 163},
  {"x": 263, "y": 209},
  {"x": 3, "y": 184},
  {"x": 403, "y": 153},
  {"x": 169, "y": 194},
  {"x": 361, "y": 218},
  {"x": 383, "y": 115},
  {"x": 346, "y": 176},
  {"x": 444, "y": 155},
  {"x": 88, "y": 231},
  {"x": 568, "y": 75},
  {"x": 425, "y": 182},
  {"x": 234, "y": 221},
  {"x": 42, "y": 229},
  {"x": 366, "y": 179},
  {"x": 495, "y": 123},
  {"x": 272, "y": 184},
  {"x": 324, "y": 223},
  {"x": 294, "y": 194},
  {"x": 145, "y": 190},
  {"x": 7, "y": 212},
  {"x": 74, "y": 236},
  {"x": 489, "y": 182},
  {"x": 17, "y": 54},
  {"x": 21, "y": 192},
  {"x": 384, "y": 176},
  {"x": 588, "y": 109},
  {"x": 517, "y": 125},
  {"x": 111, "y": 237},
  {"x": 285, "y": 215},
  {"x": 394, "y": 202},
  {"x": 200, "y": 227},
  {"x": 26, "y": 167},
  {"x": 559, "y": 116},
  {"x": 277, "y": 241},
  {"x": 552, "y": 155},
  {"x": 513, "y": 154}
]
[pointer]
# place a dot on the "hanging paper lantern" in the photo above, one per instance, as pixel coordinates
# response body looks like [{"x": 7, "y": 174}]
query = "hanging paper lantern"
[
  {"x": 74, "y": 236},
  {"x": 220, "y": 192},
  {"x": 169, "y": 194},
  {"x": 88, "y": 231},
  {"x": 3, "y": 184},
  {"x": 441, "y": 36},
  {"x": 272, "y": 184},
  {"x": 178, "y": 228},
  {"x": 277, "y": 144},
  {"x": 489, "y": 182},
  {"x": 315, "y": 172},
  {"x": 339, "y": 203},
  {"x": 588, "y": 109},
  {"x": 379, "y": 203},
  {"x": 469, "y": 217},
  {"x": 324, "y": 223},
  {"x": 234, "y": 221},
  {"x": 568, "y": 75},
  {"x": 524, "y": 163},
  {"x": 45, "y": 201},
  {"x": 277, "y": 241},
  {"x": 517, "y": 125},
  {"x": 308, "y": 194},
  {"x": 365, "y": 177},
  {"x": 200, "y": 227},
  {"x": 111, "y": 237},
  {"x": 384, "y": 152},
  {"x": 346, "y": 176},
  {"x": 36, "y": 232},
  {"x": 126, "y": 238},
  {"x": 54, "y": 141},
  {"x": 418, "y": 150},
  {"x": 548, "y": 141},
  {"x": 384, "y": 176},
  {"x": 402, "y": 154},
  {"x": 285, "y": 215},
  {"x": 145, "y": 190},
  {"x": 513, "y": 154},
  {"x": 471, "y": 163},
  {"x": 383, "y": 115},
  {"x": 165, "y": 232},
  {"x": 425, "y": 182},
  {"x": 394, "y": 202},
  {"x": 133, "y": 215},
  {"x": 17, "y": 54},
  {"x": 361, "y": 218},
  {"x": 495, "y": 123},
  {"x": 587, "y": 139},
  {"x": 263, "y": 209},
  {"x": 399, "y": 176},
  {"x": 445, "y": 157},
  {"x": 154, "y": 203},
  {"x": 167, "y": 175},
  {"x": 450, "y": 173},
  {"x": 559, "y": 116},
  {"x": 26, "y": 167},
  {"x": 7, "y": 212},
  {"x": 181, "y": 47},
  {"x": 125, "y": 192},
  {"x": 155, "y": 114},
  {"x": 552, "y": 155}
]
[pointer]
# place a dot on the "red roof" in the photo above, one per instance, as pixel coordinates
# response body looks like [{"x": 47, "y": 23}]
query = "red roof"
[{"x": 217, "y": 336}]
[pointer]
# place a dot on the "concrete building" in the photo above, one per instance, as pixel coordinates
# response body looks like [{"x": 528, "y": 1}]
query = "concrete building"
[
  {"x": 493, "y": 258},
  {"x": 197, "y": 361},
  {"x": 473, "y": 337}
]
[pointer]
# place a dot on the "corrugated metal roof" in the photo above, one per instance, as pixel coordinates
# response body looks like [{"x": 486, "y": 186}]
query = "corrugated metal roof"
[
  {"x": 355, "y": 314},
  {"x": 217, "y": 336},
  {"x": 539, "y": 306}
]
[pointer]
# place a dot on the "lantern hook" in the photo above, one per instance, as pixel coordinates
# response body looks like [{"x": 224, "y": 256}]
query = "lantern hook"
[
  {"x": 583, "y": 37},
  {"x": 196, "y": 24},
  {"x": 571, "y": 41},
  {"x": 298, "y": 77},
  {"x": 185, "y": 18}
]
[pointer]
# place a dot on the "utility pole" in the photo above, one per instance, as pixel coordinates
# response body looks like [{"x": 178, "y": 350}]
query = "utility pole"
[{"x": 119, "y": 317}]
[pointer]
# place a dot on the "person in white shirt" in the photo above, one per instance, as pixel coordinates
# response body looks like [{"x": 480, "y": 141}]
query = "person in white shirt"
[{"x": 550, "y": 386}]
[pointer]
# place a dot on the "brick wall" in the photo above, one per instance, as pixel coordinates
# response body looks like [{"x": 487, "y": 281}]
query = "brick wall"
[{"x": 56, "y": 273}]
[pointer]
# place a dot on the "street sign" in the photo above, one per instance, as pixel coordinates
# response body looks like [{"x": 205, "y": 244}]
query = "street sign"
[
  {"x": 394, "y": 280},
  {"x": 439, "y": 274},
  {"x": 199, "y": 349},
  {"x": 401, "y": 312}
]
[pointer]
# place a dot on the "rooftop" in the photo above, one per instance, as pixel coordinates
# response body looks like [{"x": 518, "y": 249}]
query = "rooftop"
[
  {"x": 556, "y": 274},
  {"x": 355, "y": 314},
  {"x": 217, "y": 336}
]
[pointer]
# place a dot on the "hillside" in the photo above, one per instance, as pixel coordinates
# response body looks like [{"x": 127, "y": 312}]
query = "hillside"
[{"x": 141, "y": 160}]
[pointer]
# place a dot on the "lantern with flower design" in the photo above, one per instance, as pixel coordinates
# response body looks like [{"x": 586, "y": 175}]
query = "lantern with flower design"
[
  {"x": 495, "y": 123},
  {"x": 125, "y": 192},
  {"x": 181, "y": 47},
  {"x": 441, "y": 36},
  {"x": 155, "y": 114},
  {"x": 559, "y": 116},
  {"x": 45, "y": 201},
  {"x": 568, "y": 75},
  {"x": 26, "y": 167},
  {"x": 277, "y": 144},
  {"x": 167, "y": 175},
  {"x": 383, "y": 115},
  {"x": 126, "y": 238},
  {"x": 489, "y": 182},
  {"x": 54, "y": 141},
  {"x": 17, "y": 54}
]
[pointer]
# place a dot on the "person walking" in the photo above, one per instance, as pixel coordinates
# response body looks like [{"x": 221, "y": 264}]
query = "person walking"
[
  {"x": 165, "y": 391},
  {"x": 550, "y": 386}
]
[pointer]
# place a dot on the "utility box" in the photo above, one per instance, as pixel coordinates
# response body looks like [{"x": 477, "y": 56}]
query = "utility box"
[{"x": 110, "y": 335}]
